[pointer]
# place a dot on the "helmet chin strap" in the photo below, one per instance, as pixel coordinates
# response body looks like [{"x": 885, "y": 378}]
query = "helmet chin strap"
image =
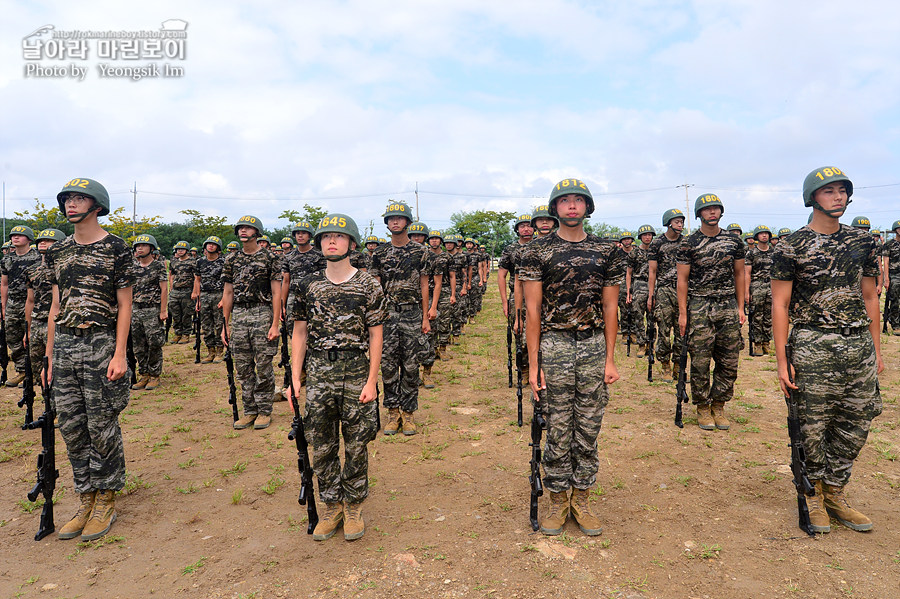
[
  {"x": 835, "y": 212},
  {"x": 77, "y": 218},
  {"x": 571, "y": 222},
  {"x": 338, "y": 258},
  {"x": 709, "y": 223}
]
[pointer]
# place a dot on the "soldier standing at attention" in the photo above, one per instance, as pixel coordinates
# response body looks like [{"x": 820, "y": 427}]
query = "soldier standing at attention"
[
  {"x": 181, "y": 282},
  {"x": 441, "y": 326},
  {"x": 401, "y": 267},
  {"x": 759, "y": 290},
  {"x": 627, "y": 326},
  {"x": 891, "y": 269},
  {"x": 711, "y": 272},
  {"x": 338, "y": 316},
  {"x": 571, "y": 284},
  {"x": 824, "y": 283},
  {"x": 92, "y": 273},
  {"x": 458, "y": 293},
  {"x": 38, "y": 300},
  {"x": 13, "y": 294},
  {"x": 418, "y": 232},
  {"x": 662, "y": 299},
  {"x": 148, "y": 334},
  {"x": 636, "y": 285},
  {"x": 251, "y": 306},
  {"x": 510, "y": 258},
  {"x": 207, "y": 291}
]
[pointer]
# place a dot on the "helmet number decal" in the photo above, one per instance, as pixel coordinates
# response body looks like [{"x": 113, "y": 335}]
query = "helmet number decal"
[
  {"x": 828, "y": 171},
  {"x": 335, "y": 221},
  {"x": 82, "y": 183},
  {"x": 570, "y": 183},
  {"x": 709, "y": 198}
]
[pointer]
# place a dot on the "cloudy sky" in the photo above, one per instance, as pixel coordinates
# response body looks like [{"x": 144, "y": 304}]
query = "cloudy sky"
[{"x": 346, "y": 105}]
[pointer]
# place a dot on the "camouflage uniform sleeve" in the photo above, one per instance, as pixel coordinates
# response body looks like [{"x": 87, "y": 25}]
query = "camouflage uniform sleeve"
[
  {"x": 375, "y": 265},
  {"x": 274, "y": 267},
  {"x": 530, "y": 268},
  {"x": 783, "y": 262},
  {"x": 4, "y": 265},
  {"x": 161, "y": 269},
  {"x": 653, "y": 250},
  {"x": 684, "y": 253},
  {"x": 376, "y": 310},
  {"x": 300, "y": 310},
  {"x": 125, "y": 268},
  {"x": 741, "y": 252},
  {"x": 615, "y": 268},
  {"x": 228, "y": 269},
  {"x": 197, "y": 267},
  {"x": 870, "y": 266}
]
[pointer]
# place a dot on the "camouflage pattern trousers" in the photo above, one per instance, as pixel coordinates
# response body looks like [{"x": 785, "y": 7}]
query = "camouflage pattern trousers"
[
  {"x": 15, "y": 332},
  {"x": 444, "y": 323},
  {"x": 211, "y": 318},
  {"x": 894, "y": 295},
  {"x": 333, "y": 411},
  {"x": 576, "y": 398},
  {"x": 520, "y": 347},
  {"x": 181, "y": 309},
  {"x": 404, "y": 346},
  {"x": 639, "y": 293},
  {"x": 88, "y": 406},
  {"x": 37, "y": 347},
  {"x": 628, "y": 324},
  {"x": 665, "y": 312},
  {"x": 253, "y": 353},
  {"x": 714, "y": 333},
  {"x": 458, "y": 313},
  {"x": 148, "y": 335},
  {"x": 838, "y": 398},
  {"x": 761, "y": 323}
]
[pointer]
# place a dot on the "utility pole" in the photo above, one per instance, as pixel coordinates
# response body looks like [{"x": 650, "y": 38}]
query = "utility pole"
[
  {"x": 417, "y": 200},
  {"x": 687, "y": 208},
  {"x": 134, "y": 209},
  {"x": 4, "y": 210}
]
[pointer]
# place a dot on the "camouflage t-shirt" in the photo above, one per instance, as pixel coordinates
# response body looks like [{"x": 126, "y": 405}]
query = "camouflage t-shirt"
[
  {"x": 88, "y": 277},
  {"x": 147, "y": 291},
  {"x": 508, "y": 259},
  {"x": 437, "y": 266},
  {"x": 251, "y": 275},
  {"x": 458, "y": 263},
  {"x": 182, "y": 272},
  {"x": 712, "y": 262},
  {"x": 891, "y": 250},
  {"x": 826, "y": 272},
  {"x": 639, "y": 262},
  {"x": 399, "y": 269},
  {"x": 663, "y": 251},
  {"x": 359, "y": 260},
  {"x": 760, "y": 264},
  {"x": 473, "y": 262},
  {"x": 299, "y": 265},
  {"x": 210, "y": 273},
  {"x": 573, "y": 276},
  {"x": 14, "y": 267},
  {"x": 37, "y": 278},
  {"x": 338, "y": 316}
]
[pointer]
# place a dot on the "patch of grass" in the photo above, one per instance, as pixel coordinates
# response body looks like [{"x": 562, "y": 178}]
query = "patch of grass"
[
  {"x": 683, "y": 480},
  {"x": 238, "y": 468},
  {"x": 275, "y": 481},
  {"x": 623, "y": 410},
  {"x": 188, "y": 464},
  {"x": 750, "y": 406},
  {"x": 646, "y": 454},
  {"x": 172, "y": 409},
  {"x": 434, "y": 452},
  {"x": 750, "y": 429},
  {"x": 470, "y": 454},
  {"x": 191, "y": 568},
  {"x": 187, "y": 490}
]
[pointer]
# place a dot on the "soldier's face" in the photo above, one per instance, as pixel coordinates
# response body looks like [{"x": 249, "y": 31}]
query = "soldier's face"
[
  {"x": 450, "y": 246},
  {"x": 301, "y": 237},
  {"x": 677, "y": 224},
  {"x": 571, "y": 206},
  {"x": 245, "y": 232},
  {"x": 371, "y": 246},
  {"x": 141, "y": 250},
  {"x": 212, "y": 248},
  {"x": 627, "y": 242},
  {"x": 711, "y": 215},
  {"x": 286, "y": 247},
  {"x": 763, "y": 238},
  {"x": 335, "y": 244},
  {"x": 43, "y": 244},
  {"x": 544, "y": 224},
  {"x": 396, "y": 224},
  {"x": 469, "y": 245},
  {"x": 418, "y": 238},
  {"x": 832, "y": 197},
  {"x": 525, "y": 230},
  {"x": 180, "y": 253},
  {"x": 435, "y": 242},
  {"x": 19, "y": 240},
  {"x": 646, "y": 238}
]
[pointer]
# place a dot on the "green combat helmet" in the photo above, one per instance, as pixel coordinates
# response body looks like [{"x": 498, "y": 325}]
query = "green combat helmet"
[
  {"x": 784, "y": 231},
  {"x": 644, "y": 229},
  {"x": 417, "y": 228},
  {"x": 22, "y": 230},
  {"x": 570, "y": 186},
  {"x": 146, "y": 239},
  {"x": 285, "y": 240},
  {"x": 249, "y": 221},
  {"x": 669, "y": 214},
  {"x": 213, "y": 239},
  {"x": 524, "y": 219},
  {"x": 398, "y": 209},
  {"x": 705, "y": 201},
  {"x": 301, "y": 227},
  {"x": 734, "y": 227},
  {"x": 85, "y": 187},
  {"x": 861, "y": 222},
  {"x": 372, "y": 239},
  {"x": 382, "y": 240},
  {"x": 762, "y": 229},
  {"x": 181, "y": 245},
  {"x": 542, "y": 211},
  {"x": 626, "y": 235},
  {"x": 818, "y": 179},
  {"x": 266, "y": 239},
  {"x": 896, "y": 225},
  {"x": 435, "y": 233},
  {"x": 337, "y": 223},
  {"x": 233, "y": 246},
  {"x": 52, "y": 235}
]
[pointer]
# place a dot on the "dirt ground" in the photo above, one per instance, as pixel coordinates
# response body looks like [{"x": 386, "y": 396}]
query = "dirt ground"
[{"x": 212, "y": 512}]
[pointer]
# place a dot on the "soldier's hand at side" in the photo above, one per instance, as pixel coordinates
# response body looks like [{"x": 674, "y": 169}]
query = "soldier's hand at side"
[
  {"x": 628, "y": 298},
  {"x": 432, "y": 313},
  {"x": 536, "y": 386},
  {"x": 786, "y": 385},
  {"x": 742, "y": 318},
  {"x": 426, "y": 326},
  {"x": 273, "y": 332},
  {"x": 369, "y": 393},
  {"x": 611, "y": 374},
  {"x": 649, "y": 304},
  {"x": 47, "y": 375},
  {"x": 505, "y": 309},
  {"x": 879, "y": 365},
  {"x": 117, "y": 368},
  {"x": 164, "y": 314},
  {"x": 224, "y": 336},
  {"x": 453, "y": 300},
  {"x": 682, "y": 323},
  {"x": 516, "y": 325}
]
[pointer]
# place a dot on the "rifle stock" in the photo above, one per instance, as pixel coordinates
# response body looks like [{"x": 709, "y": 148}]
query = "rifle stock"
[
  {"x": 46, "y": 462},
  {"x": 304, "y": 466},
  {"x": 232, "y": 387},
  {"x": 798, "y": 456},
  {"x": 750, "y": 314},
  {"x": 509, "y": 340},
  {"x": 130, "y": 358},
  {"x": 27, "y": 389},
  {"x": 538, "y": 424},
  {"x": 651, "y": 341},
  {"x": 196, "y": 323},
  {"x": 681, "y": 395},
  {"x": 4, "y": 350}
]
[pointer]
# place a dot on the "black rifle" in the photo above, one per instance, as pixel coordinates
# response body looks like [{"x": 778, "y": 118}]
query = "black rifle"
[
  {"x": 232, "y": 388},
  {"x": 520, "y": 366},
  {"x": 307, "y": 491},
  {"x": 130, "y": 358},
  {"x": 168, "y": 326},
  {"x": 750, "y": 337},
  {"x": 509, "y": 340},
  {"x": 651, "y": 340},
  {"x": 27, "y": 389},
  {"x": 46, "y": 463},
  {"x": 798, "y": 457},
  {"x": 538, "y": 424},
  {"x": 196, "y": 323},
  {"x": 4, "y": 349},
  {"x": 285, "y": 357},
  {"x": 888, "y": 308},
  {"x": 681, "y": 395},
  {"x": 627, "y": 321}
]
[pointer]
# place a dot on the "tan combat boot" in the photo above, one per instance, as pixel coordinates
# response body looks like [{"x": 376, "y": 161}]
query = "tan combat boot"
[
  {"x": 14, "y": 381},
  {"x": 73, "y": 527},
  {"x": 329, "y": 522},
  {"x": 102, "y": 516},
  {"x": 427, "y": 379},
  {"x": 455, "y": 339},
  {"x": 152, "y": 383},
  {"x": 409, "y": 423},
  {"x": 209, "y": 357},
  {"x": 220, "y": 351},
  {"x": 354, "y": 525},
  {"x": 705, "y": 417},
  {"x": 557, "y": 514},
  {"x": 666, "y": 370},
  {"x": 245, "y": 421},
  {"x": 437, "y": 353},
  {"x": 837, "y": 505},
  {"x": 765, "y": 349},
  {"x": 718, "y": 414},
  {"x": 176, "y": 339},
  {"x": 818, "y": 517},
  {"x": 445, "y": 355},
  {"x": 142, "y": 382},
  {"x": 581, "y": 509},
  {"x": 262, "y": 421},
  {"x": 642, "y": 350},
  {"x": 393, "y": 423}
]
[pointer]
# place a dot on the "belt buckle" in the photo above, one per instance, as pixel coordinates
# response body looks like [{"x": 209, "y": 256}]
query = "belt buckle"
[
  {"x": 846, "y": 331},
  {"x": 332, "y": 355}
]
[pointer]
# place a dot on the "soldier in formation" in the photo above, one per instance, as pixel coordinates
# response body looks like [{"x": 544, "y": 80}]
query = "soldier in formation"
[
  {"x": 759, "y": 290},
  {"x": 636, "y": 272},
  {"x": 38, "y": 300},
  {"x": 662, "y": 299},
  {"x": 207, "y": 292},
  {"x": 149, "y": 312},
  {"x": 13, "y": 294},
  {"x": 891, "y": 268},
  {"x": 181, "y": 284}
]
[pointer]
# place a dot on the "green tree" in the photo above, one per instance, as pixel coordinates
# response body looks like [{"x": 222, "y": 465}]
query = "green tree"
[
  {"x": 601, "y": 229},
  {"x": 121, "y": 224},
  {"x": 202, "y": 226},
  {"x": 312, "y": 214},
  {"x": 492, "y": 229},
  {"x": 41, "y": 217}
]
